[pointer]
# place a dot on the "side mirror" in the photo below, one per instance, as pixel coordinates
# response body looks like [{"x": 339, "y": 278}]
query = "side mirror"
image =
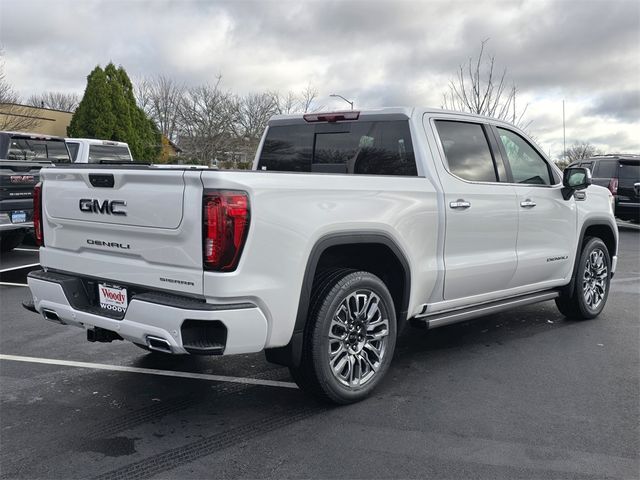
[{"x": 575, "y": 178}]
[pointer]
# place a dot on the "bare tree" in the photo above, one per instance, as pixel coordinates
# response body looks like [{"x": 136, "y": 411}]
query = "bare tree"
[
  {"x": 307, "y": 99},
  {"x": 254, "y": 111},
  {"x": 478, "y": 89},
  {"x": 13, "y": 116},
  {"x": 67, "y": 102},
  {"x": 206, "y": 117},
  {"x": 580, "y": 150},
  {"x": 160, "y": 97},
  {"x": 285, "y": 104},
  {"x": 290, "y": 103}
]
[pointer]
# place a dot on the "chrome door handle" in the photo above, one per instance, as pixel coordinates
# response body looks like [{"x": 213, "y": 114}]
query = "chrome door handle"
[
  {"x": 460, "y": 203},
  {"x": 528, "y": 203}
]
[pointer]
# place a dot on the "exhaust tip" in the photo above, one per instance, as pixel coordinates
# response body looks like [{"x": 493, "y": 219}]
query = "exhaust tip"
[
  {"x": 158, "y": 344},
  {"x": 51, "y": 316}
]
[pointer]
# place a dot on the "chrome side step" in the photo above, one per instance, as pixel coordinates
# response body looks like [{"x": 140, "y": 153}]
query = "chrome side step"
[{"x": 461, "y": 315}]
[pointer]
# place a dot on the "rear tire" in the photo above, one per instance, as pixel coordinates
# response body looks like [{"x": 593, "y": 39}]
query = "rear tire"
[
  {"x": 349, "y": 338},
  {"x": 11, "y": 239},
  {"x": 593, "y": 279}
]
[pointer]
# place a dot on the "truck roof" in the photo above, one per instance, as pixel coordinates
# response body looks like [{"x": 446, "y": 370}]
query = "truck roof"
[
  {"x": 387, "y": 113},
  {"x": 96, "y": 141},
  {"x": 39, "y": 136}
]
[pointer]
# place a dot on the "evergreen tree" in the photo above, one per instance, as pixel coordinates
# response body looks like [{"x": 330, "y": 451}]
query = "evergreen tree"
[{"x": 108, "y": 111}]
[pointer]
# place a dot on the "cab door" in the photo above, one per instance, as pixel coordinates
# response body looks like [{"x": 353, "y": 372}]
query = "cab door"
[
  {"x": 480, "y": 210},
  {"x": 547, "y": 224}
]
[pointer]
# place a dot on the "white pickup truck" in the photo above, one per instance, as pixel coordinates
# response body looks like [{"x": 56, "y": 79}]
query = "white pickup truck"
[
  {"x": 351, "y": 225},
  {"x": 91, "y": 150}
]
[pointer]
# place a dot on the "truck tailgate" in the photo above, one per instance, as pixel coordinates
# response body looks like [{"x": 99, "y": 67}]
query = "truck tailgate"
[{"x": 125, "y": 225}]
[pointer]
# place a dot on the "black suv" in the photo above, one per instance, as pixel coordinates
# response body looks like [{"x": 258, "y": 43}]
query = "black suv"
[
  {"x": 21, "y": 157},
  {"x": 621, "y": 175}
]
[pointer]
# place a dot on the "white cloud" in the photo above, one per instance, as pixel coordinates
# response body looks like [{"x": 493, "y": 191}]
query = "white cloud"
[{"x": 376, "y": 52}]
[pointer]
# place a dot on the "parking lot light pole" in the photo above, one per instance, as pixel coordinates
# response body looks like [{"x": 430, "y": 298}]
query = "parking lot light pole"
[{"x": 340, "y": 96}]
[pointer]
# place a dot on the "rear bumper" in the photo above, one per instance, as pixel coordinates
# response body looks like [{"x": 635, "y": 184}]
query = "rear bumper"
[
  {"x": 5, "y": 227},
  {"x": 627, "y": 210},
  {"x": 157, "y": 316}
]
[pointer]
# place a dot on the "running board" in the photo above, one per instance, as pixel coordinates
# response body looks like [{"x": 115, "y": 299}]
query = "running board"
[{"x": 461, "y": 315}]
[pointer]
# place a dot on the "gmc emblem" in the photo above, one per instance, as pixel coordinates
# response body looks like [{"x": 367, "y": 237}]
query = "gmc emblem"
[
  {"x": 110, "y": 207},
  {"x": 22, "y": 178}
]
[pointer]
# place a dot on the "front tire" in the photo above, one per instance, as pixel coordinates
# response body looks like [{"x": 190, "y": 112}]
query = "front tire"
[
  {"x": 349, "y": 339},
  {"x": 593, "y": 279}
]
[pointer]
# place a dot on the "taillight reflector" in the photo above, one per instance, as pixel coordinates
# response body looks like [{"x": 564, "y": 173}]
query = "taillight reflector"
[
  {"x": 331, "y": 117},
  {"x": 225, "y": 218},
  {"x": 37, "y": 214},
  {"x": 613, "y": 185}
]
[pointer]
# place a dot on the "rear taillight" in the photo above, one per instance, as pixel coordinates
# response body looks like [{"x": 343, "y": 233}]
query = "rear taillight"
[
  {"x": 225, "y": 224},
  {"x": 613, "y": 186},
  {"x": 37, "y": 214}
]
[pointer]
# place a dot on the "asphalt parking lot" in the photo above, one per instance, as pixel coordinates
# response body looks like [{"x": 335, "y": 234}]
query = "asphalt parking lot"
[{"x": 524, "y": 394}]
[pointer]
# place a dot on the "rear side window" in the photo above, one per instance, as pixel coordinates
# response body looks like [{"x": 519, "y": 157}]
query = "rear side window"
[
  {"x": 527, "y": 166},
  {"x": 73, "y": 150},
  {"x": 29, "y": 149},
  {"x": 373, "y": 148},
  {"x": 467, "y": 151},
  {"x": 98, "y": 153},
  {"x": 606, "y": 169}
]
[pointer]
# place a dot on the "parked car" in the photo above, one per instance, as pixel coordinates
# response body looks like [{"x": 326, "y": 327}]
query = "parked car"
[
  {"x": 621, "y": 175},
  {"x": 21, "y": 157},
  {"x": 351, "y": 224},
  {"x": 90, "y": 150}
]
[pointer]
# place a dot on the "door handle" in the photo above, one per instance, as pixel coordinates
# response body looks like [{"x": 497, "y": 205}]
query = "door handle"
[
  {"x": 528, "y": 203},
  {"x": 460, "y": 203}
]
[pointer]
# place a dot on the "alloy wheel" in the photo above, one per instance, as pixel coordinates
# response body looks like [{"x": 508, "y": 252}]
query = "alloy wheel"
[{"x": 358, "y": 338}]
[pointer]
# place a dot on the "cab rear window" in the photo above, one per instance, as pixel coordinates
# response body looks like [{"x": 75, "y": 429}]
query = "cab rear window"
[
  {"x": 99, "y": 153},
  {"x": 370, "y": 148},
  {"x": 30, "y": 149},
  {"x": 629, "y": 171}
]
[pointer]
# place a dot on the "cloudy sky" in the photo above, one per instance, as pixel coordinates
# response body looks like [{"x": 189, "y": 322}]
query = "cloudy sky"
[{"x": 377, "y": 53}]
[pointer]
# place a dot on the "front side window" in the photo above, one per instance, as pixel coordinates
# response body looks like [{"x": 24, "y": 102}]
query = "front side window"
[
  {"x": 527, "y": 166},
  {"x": 373, "y": 148},
  {"x": 467, "y": 150}
]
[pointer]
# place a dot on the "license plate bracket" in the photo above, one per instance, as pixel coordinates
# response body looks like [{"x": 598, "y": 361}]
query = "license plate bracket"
[
  {"x": 18, "y": 217},
  {"x": 113, "y": 297}
]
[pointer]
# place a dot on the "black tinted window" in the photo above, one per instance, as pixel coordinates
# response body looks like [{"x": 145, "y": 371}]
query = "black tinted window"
[
  {"x": 73, "y": 150},
  {"x": 606, "y": 169},
  {"x": 98, "y": 153},
  {"x": 375, "y": 148},
  {"x": 527, "y": 166},
  {"x": 467, "y": 151},
  {"x": 29, "y": 149},
  {"x": 630, "y": 171}
]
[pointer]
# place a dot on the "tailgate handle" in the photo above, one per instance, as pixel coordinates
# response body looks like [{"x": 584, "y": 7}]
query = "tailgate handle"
[{"x": 101, "y": 180}]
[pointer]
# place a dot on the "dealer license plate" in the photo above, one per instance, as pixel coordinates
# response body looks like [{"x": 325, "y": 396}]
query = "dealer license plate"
[
  {"x": 112, "y": 297},
  {"x": 18, "y": 217}
]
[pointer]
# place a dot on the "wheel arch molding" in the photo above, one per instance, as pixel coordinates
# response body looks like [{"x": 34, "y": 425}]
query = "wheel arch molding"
[
  {"x": 354, "y": 248},
  {"x": 601, "y": 227}
]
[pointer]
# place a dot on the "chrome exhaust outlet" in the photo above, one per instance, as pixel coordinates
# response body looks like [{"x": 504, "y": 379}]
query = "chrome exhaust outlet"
[
  {"x": 158, "y": 344},
  {"x": 51, "y": 316}
]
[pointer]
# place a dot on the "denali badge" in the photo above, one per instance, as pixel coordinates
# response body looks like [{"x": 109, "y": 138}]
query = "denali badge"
[
  {"x": 100, "y": 243},
  {"x": 555, "y": 259},
  {"x": 110, "y": 207}
]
